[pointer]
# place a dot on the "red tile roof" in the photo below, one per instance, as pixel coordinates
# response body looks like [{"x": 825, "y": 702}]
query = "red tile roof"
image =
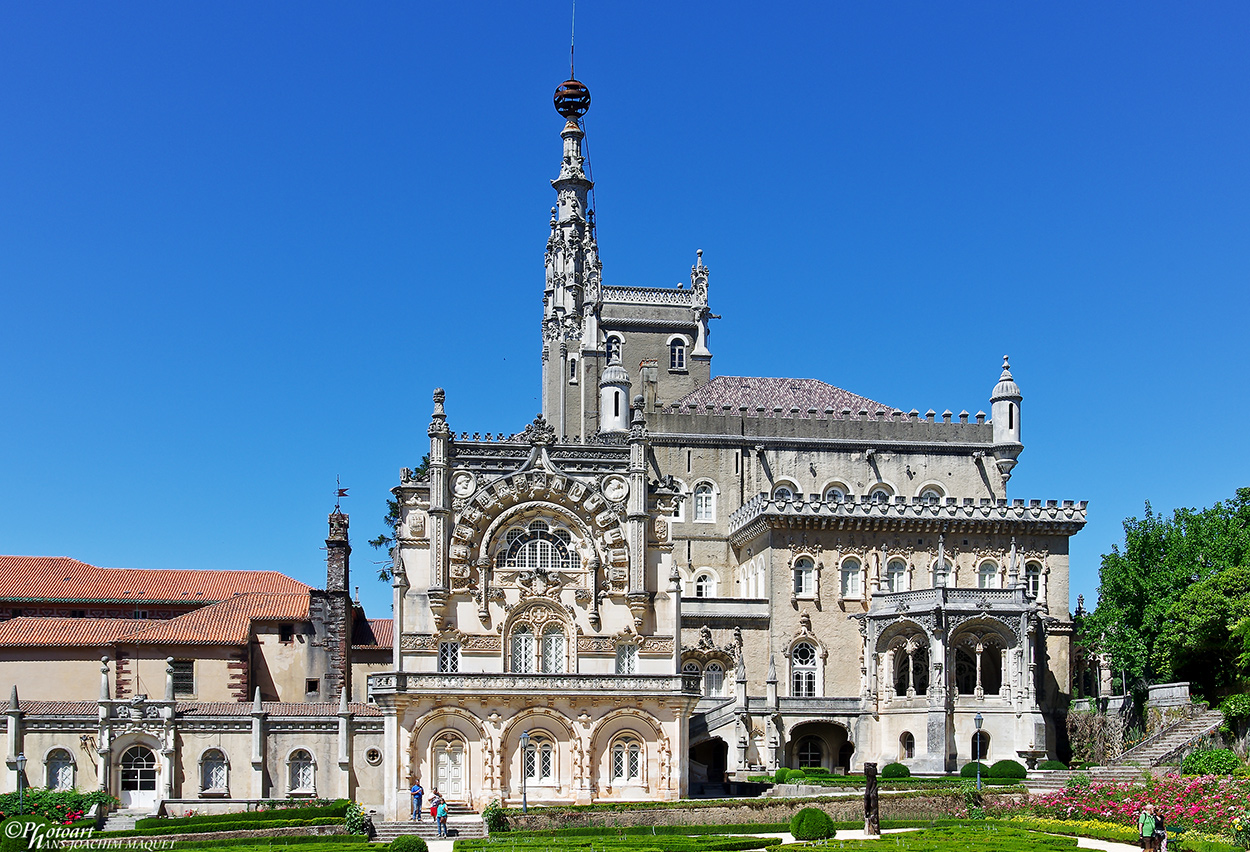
[
  {"x": 373, "y": 633},
  {"x": 228, "y": 622},
  {"x": 203, "y": 708},
  {"x": 273, "y": 708},
  {"x": 59, "y": 578},
  {"x": 766, "y": 393},
  {"x": 70, "y": 632}
]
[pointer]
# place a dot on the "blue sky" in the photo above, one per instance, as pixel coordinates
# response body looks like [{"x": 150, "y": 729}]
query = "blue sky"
[{"x": 241, "y": 243}]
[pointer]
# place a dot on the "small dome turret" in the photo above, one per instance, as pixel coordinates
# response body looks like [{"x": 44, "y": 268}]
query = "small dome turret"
[
  {"x": 1005, "y": 405},
  {"x": 615, "y": 374},
  {"x": 614, "y": 399},
  {"x": 1006, "y": 387}
]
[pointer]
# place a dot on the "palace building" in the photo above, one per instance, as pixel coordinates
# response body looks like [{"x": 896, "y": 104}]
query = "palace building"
[{"x": 666, "y": 582}]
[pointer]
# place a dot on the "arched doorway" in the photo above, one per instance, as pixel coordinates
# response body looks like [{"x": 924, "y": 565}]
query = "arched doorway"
[
  {"x": 449, "y": 766},
  {"x": 138, "y": 778},
  {"x": 707, "y": 764},
  {"x": 825, "y": 745}
]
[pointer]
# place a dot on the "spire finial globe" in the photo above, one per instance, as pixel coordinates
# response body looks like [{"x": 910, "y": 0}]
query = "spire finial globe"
[{"x": 572, "y": 99}]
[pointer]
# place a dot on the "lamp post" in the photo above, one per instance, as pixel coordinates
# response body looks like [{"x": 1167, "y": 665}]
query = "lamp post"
[
  {"x": 525, "y": 751},
  {"x": 21, "y": 777},
  {"x": 978, "y": 719}
]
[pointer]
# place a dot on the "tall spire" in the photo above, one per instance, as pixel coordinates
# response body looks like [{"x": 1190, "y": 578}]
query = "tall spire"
[{"x": 571, "y": 295}]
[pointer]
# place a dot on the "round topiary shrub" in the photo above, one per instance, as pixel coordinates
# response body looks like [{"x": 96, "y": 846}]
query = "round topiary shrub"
[
  {"x": 1052, "y": 764},
  {"x": 895, "y": 770},
  {"x": 970, "y": 770},
  {"x": 811, "y": 824},
  {"x": 1008, "y": 769},
  {"x": 781, "y": 775},
  {"x": 796, "y": 776},
  {"x": 1210, "y": 761},
  {"x": 408, "y": 843}
]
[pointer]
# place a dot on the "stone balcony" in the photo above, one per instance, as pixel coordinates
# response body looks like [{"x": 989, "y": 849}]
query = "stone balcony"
[
  {"x": 478, "y": 683},
  {"x": 947, "y": 597}
]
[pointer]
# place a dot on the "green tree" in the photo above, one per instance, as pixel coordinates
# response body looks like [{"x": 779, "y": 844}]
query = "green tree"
[
  {"x": 1174, "y": 603},
  {"x": 391, "y": 520}
]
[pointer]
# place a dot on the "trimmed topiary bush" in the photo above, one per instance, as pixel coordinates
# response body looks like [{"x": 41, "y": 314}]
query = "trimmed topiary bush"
[
  {"x": 408, "y": 843},
  {"x": 811, "y": 824},
  {"x": 796, "y": 776},
  {"x": 1008, "y": 769},
  {"x": 895, "y": 770},
  {"x": 1052, "y": 764},
  {"x": 816, "y": 772},
  {"x": 1210, "y": 761},
  {"x": 970, "y": 770},
  {"x": 781, "y": 775}
]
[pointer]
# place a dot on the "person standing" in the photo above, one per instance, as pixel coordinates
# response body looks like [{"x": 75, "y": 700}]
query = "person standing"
[
  {"x": 442, "y": 818},
  {"x": 434, "y": 803},
  {"x": 418, "y": 793},
  {"x": 1146, "y": 822}
]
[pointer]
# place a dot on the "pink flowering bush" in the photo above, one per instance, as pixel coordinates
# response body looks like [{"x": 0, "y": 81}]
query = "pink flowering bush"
[{"x": 1207, "y": 803}]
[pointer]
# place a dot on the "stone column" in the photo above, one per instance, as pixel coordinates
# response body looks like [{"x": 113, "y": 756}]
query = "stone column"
[{"x": 258, "y": 747}]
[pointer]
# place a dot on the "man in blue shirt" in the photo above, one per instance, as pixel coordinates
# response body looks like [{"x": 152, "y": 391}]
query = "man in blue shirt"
[{"x": 418, "y": 793}]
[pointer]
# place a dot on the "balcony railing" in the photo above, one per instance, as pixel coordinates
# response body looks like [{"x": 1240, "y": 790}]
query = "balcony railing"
[{"x": 413, "y": 683}]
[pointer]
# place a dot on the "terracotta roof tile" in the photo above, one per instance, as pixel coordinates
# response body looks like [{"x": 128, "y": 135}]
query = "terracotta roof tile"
[
  {"x": 373, "y": 633},
  {"x": 766, "y": 393},
  {"x": 60, "y": 708},
  {"x": 71, "y": 632},
  {"x": 59, "y": 578},
  {"x": 228, "y": 622},
  {"x": 273, "y": 708}
]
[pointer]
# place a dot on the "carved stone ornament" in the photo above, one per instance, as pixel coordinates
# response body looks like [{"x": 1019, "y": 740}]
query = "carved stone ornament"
[
  {"x": 538, "y": 433},
  {"x": 540, "y": 582},
  {"x": 463, "y": 483},
  {"x": 615, "y": 488}
]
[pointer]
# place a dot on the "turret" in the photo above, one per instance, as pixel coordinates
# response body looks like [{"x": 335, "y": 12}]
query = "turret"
[
  {"x": 614, "y": 400},
  {"x": 1005, "y": 411}
]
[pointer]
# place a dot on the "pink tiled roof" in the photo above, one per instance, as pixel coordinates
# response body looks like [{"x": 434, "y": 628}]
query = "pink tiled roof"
[
  {"x": 273, "y": 708},
  {"x": 228, "y": 622},
  {"x": 373, "y": 633},
  {"x": 59, "y": 708},
  {"x": 59, "y": 578},
  {"x": 755, "y": 393}
]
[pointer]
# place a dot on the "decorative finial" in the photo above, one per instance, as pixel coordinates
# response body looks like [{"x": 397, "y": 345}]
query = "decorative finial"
[
  {"x": 1006, "y": 369},
  {"x": 572, "y": 99}
]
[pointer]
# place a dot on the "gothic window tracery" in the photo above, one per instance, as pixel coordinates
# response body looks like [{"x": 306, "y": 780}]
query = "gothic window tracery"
[
  {"x": 803, "y": 660},
  {"x": 714, "y": 680},
  {"x": 448, "y": 657},
  {"x": 539, "y": 545},
  {"x": 523, "y": 650},
  {"x": 911, "y": 666},
  {"x": 627, "y": 760},
  {"x": 626, "y": 659},
  {"x": 553, "y": 649}
]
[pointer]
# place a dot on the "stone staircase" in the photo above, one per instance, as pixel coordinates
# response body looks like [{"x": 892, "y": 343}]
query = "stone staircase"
[
  {"x": 462, "y": 822},
  {"x": 123, "y": 820},
  {"x": 1148, "y": 756},
  {"x": 1155, "y": 750}
]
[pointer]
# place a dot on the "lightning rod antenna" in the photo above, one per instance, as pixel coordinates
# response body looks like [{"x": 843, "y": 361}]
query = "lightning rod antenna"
[{"x": 572, "y": 39}]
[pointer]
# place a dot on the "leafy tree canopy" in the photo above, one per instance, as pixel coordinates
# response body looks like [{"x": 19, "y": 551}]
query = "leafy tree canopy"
[
  {"x": 391, "y": 520},
  {"x": 1174, "y": 600}
]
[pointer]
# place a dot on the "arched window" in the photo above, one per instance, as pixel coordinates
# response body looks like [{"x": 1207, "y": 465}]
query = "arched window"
[
  {"x": 539, "y": 545},
  {"x": 783, "y": 493},
  {"x": 523, "y": 650},
  {"x": 981, "y": 745},
  {"x": 302, "y": 772},
  {"x": 987, "y": 575},
  {"x": 1033, "y": 578},
  {"x": 835, "y": 494},
  {"x": 810, "y": 753},
  {"x": 214, "y": 772},
  {"x": 539, "y": 760},
  {"x": 880, "y": 494},
  {"x": 804, "y": 577},
  {"x": 714, "y": 680},
  {"x": 626, "y": 659},
  {"x": 942, "y": 572},
  {"x": 896, "y": 575},
  {"x": 906, "y": 746},
  {"x": 138, "y": 769},
  {"x": 850, "y": 576},
  {"x": 803, "y": 670},
  {"x": 677, "y": 355},
  {"x": 704, "y": 586},
  {"x": 627, "y": 760},
  {"x": 613, "y": 350},
  {"x": 573, "y": 371},
  {"x": 965, "y": 671},
  {"x": 931, "y": 496},
  {"x": 692, "y": 668},
  {"x": 911, "y": 668},
  {"x": 60, "y": 770},
  {"x": 553, "y": 649},
  {"x": 704, "y": 502}
]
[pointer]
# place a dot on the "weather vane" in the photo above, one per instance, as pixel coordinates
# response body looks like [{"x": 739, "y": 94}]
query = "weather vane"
[{"x": 339, "y": 493}]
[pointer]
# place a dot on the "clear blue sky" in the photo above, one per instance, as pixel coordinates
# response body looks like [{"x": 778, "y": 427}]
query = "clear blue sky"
[{"x": 241, "y": 242}]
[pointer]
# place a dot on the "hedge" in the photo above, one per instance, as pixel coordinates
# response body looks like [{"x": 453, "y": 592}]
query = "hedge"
[
  {"x": 895, "y": 770},
  {"x": 1052, "y": 764},
  {"x": 241, "y": 825},
  {"x": 969, "y": 770},
  {"x": 1210, "y": 761},
  {"x": 345, "y": 840},
  {"x": 811, "y": 824},
  {"x": 408, "y": 843},
  {"x": 337, "y": 808},
  {"x": 1008, "y": 769}
]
